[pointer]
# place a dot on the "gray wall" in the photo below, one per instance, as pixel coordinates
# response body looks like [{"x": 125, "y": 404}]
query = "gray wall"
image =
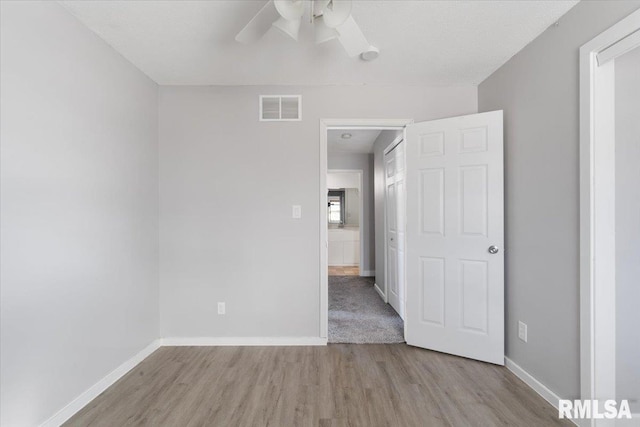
[
  {"x": 628, "y": 227},
  {"x": 538, "y": 91},
  {"x": 365, "y": 163},
  {"x": 385, "y": 138},
  {"x": 79, "y": 209},
  {"x": 227, "y": 183}
]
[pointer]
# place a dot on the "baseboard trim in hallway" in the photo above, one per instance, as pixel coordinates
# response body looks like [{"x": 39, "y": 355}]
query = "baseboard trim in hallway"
[
  {"x": 94, "y": 391},
  {"x": 379, "y": 291}
]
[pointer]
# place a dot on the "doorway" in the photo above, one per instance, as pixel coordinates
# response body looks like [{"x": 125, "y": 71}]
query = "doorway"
[
  {"x": 451, "y": 197},
  {"x": 356, "y": 232}
]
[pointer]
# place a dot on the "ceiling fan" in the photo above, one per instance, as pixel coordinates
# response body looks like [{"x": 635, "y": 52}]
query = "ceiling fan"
[{"x": 331, "y": 19}]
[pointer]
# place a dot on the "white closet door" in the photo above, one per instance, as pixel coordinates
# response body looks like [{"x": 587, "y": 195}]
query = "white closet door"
[{"x": 395, "y": 226}]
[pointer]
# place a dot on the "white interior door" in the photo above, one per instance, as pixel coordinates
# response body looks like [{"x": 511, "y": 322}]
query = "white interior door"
[
  {"x": 454, "y": 211},
  {"x": 395, "y": 226}
]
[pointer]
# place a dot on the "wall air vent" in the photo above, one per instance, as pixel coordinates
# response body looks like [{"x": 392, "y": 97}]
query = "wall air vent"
[{"x": 280, "y": 108}]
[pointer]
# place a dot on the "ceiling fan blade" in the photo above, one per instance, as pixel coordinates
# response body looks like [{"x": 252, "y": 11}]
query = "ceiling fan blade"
[
  {"x": 352, "y": 38},
  {"x": 259, "y": 24}
]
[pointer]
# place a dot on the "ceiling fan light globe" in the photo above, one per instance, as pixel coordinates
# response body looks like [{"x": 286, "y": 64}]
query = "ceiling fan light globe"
[
  {"x": 352, "y": 39},
  {"x": 322, "y": 32},
  {"x": 370, "y": 54},
  {"x": 319, "y": 5},
  {"x": 336, "y": 13},
  {"x": 290, "y": 10},
  {"x": 289, "y": 27}
]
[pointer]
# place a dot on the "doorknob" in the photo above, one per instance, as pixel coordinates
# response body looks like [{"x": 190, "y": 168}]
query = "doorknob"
[{"x": 493, "y": 249}]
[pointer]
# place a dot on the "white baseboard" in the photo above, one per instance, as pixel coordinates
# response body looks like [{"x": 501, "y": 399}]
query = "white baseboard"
[
  {"x": 529, "y": 380},
  {"x": 242, "y": 341},
  {"x": 367, "y": 273},
  {"x": 81, "y": 401},
  {"x": 532, "y": 382},
  {"x": 378, "y": 290}
]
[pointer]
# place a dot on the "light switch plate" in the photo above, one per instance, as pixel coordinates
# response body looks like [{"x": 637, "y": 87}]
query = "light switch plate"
[
  {"x": 296, "y": 211},
  {"x": 222, "y": 308}
]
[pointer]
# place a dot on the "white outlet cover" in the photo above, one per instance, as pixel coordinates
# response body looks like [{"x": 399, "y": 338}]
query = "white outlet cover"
[
  {"x": 221, "y": 308},
  {"x": 522, "y": 331},
  {"x": 296, "y": 211}
]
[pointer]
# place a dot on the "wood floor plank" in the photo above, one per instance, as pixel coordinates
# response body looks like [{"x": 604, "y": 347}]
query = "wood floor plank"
[
  {"x": 337, "y": 385},
  {"x": 344, "y": 270}
]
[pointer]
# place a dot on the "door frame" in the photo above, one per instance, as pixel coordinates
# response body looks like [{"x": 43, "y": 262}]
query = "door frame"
[
  {"x": 325, "y": 126},
  {"x": 360, "y": 174},
  {"x": 597, "y": 210}
]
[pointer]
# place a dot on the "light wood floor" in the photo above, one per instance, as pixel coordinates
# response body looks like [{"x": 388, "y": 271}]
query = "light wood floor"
[
  {"x": 344, "y": 271},
  {"x": 336, "y": 385}
]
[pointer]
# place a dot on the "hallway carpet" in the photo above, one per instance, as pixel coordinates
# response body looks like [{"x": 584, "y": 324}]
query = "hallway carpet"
[{"x": 358, "y": 315}]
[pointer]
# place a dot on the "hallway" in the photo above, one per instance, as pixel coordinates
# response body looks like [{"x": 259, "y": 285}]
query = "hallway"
[{"x": 358, "y": 315}]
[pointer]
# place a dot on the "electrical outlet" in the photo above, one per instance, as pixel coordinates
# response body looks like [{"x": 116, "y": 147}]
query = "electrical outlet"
[
  {"x": 296, "y": 211},
  {"x": 222, "y": 309},
  {"x": 522, "y": 331}
]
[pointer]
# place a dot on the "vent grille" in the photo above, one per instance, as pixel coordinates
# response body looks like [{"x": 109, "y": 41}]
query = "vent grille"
[{"x": 281, "y": 108}]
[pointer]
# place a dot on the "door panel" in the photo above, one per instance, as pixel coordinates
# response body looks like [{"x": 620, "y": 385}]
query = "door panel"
[
  {"x": 431, "y": 194},
  {"x": 473, "y": 197},
  {"x": 474, "y": 292},
  {"x": 454, "y": 213},
  {"x": 393, "y": 274},
  {"x": 391, "y": 207},
  {"x": 432, "y": 286},
  {"x": 390, "y": 165}
]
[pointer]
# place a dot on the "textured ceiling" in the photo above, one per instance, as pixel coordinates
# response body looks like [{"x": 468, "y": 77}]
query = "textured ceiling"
[
  {"x": 361, "y": 141},
  {"x": 425, "y": 43}
]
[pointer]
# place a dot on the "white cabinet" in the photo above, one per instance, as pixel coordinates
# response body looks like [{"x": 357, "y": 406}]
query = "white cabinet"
[
  {"x": 344, "y": 246},
  {"x": 336, "y": 253}
]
